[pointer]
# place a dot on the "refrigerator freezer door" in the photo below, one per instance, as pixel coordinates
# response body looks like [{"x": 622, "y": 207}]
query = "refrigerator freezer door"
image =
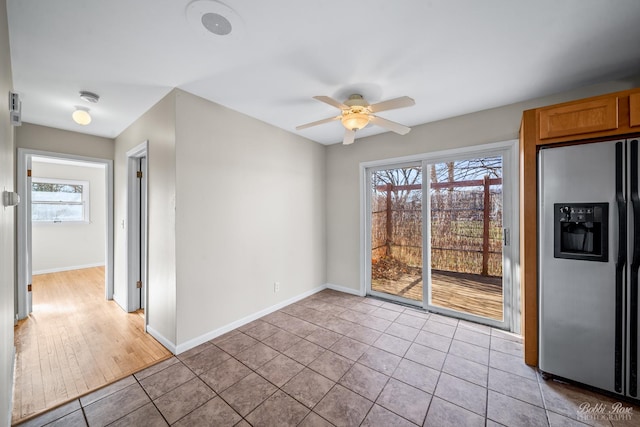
[
  {"x": 632, "y": 279},
  {"x": 577, "y": 298}
]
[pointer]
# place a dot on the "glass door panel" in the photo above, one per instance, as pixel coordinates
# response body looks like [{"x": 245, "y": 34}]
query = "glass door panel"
[
  {"x": 396, "y": 238},
  {"x": 465, "y": 237}
]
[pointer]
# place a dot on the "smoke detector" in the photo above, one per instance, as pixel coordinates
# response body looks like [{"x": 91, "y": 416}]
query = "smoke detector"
[
  {"x": 89, "y": 96},
  {"x": 214, "y": 20}
]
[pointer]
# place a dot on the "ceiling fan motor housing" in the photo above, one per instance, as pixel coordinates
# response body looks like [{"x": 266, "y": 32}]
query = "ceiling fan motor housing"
[
  {"x": 357, "y": 115},
  {"x": 356, "y": 103}
]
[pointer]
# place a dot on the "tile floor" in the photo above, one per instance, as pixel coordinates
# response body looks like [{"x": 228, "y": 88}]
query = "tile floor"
[{"x": 337, "y": 359}]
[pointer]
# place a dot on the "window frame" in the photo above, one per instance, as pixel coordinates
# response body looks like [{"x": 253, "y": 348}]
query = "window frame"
[{"x": 85, "y": 203}]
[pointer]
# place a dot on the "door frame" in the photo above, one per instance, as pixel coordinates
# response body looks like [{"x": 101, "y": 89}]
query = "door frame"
[
  {"x": 137, "y": 230},
  {"x": 511, "y": 263},
  {"x": 24, "y": 265}
]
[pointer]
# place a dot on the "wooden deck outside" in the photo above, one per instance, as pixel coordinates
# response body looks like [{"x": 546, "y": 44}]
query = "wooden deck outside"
[
  {"x": 470, "y": 293},
  {"x": 75, "y": 342}
]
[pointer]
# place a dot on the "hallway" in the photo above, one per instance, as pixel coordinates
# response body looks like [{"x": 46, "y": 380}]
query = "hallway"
[{"x": 75, "y": 341}]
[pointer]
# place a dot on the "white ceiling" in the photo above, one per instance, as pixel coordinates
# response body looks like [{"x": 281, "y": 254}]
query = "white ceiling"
[{"x": 452, "y": 56}]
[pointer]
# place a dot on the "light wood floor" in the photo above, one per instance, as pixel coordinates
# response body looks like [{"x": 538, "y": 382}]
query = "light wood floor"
[
  {"x": 469, "y": 293},
  {"x": 75, "y": 342}
]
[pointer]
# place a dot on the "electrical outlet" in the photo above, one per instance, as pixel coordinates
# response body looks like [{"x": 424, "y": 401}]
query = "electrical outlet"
[{"x": 276, "y": 287}]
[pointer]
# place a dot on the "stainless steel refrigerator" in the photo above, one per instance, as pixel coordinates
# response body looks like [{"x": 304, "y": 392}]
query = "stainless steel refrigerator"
[{"x": 588, "y": 259}]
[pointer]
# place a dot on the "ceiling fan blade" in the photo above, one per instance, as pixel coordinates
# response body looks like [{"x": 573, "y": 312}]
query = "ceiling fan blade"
[
  {"x": 349, "y": 137},
  {"x": 331, "y": 101},
  {"x": 403, "y": 101},
  {"x": 319, "y": 122},
  {"x": 392, "y": 126}
]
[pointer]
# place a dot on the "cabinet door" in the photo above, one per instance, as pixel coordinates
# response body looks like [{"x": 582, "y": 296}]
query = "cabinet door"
[
  {"x": 578, "y": 118},
  {"x": 634, "y": 109}
]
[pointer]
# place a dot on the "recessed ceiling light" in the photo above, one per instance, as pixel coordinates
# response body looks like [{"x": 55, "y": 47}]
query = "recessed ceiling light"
[{"x": 214, "y": 20}]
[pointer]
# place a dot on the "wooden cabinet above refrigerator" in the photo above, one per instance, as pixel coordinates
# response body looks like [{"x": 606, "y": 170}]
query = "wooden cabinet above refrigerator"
[
  {"x": 585, "y": 120},
  {"x": 601, "y": 116}
]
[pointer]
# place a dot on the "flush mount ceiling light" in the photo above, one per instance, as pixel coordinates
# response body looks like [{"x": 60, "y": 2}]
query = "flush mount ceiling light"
[
  {"x": 214, "y": 20},
  {"x": 81, "y": 116}
]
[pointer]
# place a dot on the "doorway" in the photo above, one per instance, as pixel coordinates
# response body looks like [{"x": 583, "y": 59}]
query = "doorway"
[
  {"x": 137, "y": 229},
  {"x": 25, "y": 183},
  {"x": 439, "y": 234}
]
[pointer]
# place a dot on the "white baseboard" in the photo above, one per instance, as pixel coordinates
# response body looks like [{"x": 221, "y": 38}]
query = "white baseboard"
[
  {"x": 161, "y": 339},
  {"x": 74, "y": 267},
  {"x": 344, "y": 289},
  {"x": 121, "y": 304},
  {"x": 181, "y": 348}
]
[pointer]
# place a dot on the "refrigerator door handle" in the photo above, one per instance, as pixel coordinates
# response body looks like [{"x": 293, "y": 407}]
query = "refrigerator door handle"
[
  {"x": 620, "y": 263},
  {"x": 635, "y": 263}
]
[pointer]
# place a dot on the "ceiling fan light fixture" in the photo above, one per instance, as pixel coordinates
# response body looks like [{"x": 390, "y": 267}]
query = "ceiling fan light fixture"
[
  {"x": 81, "y": 116},
  {"x": 357, "y": 113},
  {"x": 355, "y": 121}
]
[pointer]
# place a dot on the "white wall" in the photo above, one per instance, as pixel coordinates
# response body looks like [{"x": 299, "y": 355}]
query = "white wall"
[
  {"x": 60, "y": 246},
  {"x": 158, "y": 126},
  {"x": 343, "y": 187},
  {"x": 250, "y": 212},
  {"x": 7, "y": 233}
]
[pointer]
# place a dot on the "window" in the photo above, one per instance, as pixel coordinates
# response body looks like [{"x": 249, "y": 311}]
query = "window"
[{"x": 59, "y": 200}]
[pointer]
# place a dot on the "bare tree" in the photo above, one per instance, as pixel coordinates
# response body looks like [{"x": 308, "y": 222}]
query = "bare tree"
[
  {"x": 399, "y": 177},
  {"x": 471, "y": 169}
]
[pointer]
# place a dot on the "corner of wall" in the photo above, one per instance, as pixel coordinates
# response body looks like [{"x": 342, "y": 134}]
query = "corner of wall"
[
  {"x": 157, "y": 126},
  {"x": 345, "y": 290},
  {"x": 7, "y": 229}
]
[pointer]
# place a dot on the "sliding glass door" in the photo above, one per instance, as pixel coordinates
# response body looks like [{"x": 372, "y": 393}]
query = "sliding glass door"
[
  {"x": 438, "y": 234},
  {"x": 396, "y": 233},
  {"x": 466, "y": 237}
]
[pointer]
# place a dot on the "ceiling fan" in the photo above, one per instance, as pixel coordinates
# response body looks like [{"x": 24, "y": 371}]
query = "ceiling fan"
[{"x": 358, "y": 113}]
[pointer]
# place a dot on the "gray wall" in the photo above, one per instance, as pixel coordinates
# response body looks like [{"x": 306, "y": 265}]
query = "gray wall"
[
  {"x": 43, "y": 138},
  {"x": 250, "y": 212},
  {"x": 234, "y": 206},
  {"x": 7, "y": 234},
  {"x": 158, "y": 127},
  {"x": 343, "y": 162}
]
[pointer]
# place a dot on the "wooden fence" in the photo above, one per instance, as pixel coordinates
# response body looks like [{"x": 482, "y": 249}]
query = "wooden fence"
[{"x": 466, "y": 226}]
